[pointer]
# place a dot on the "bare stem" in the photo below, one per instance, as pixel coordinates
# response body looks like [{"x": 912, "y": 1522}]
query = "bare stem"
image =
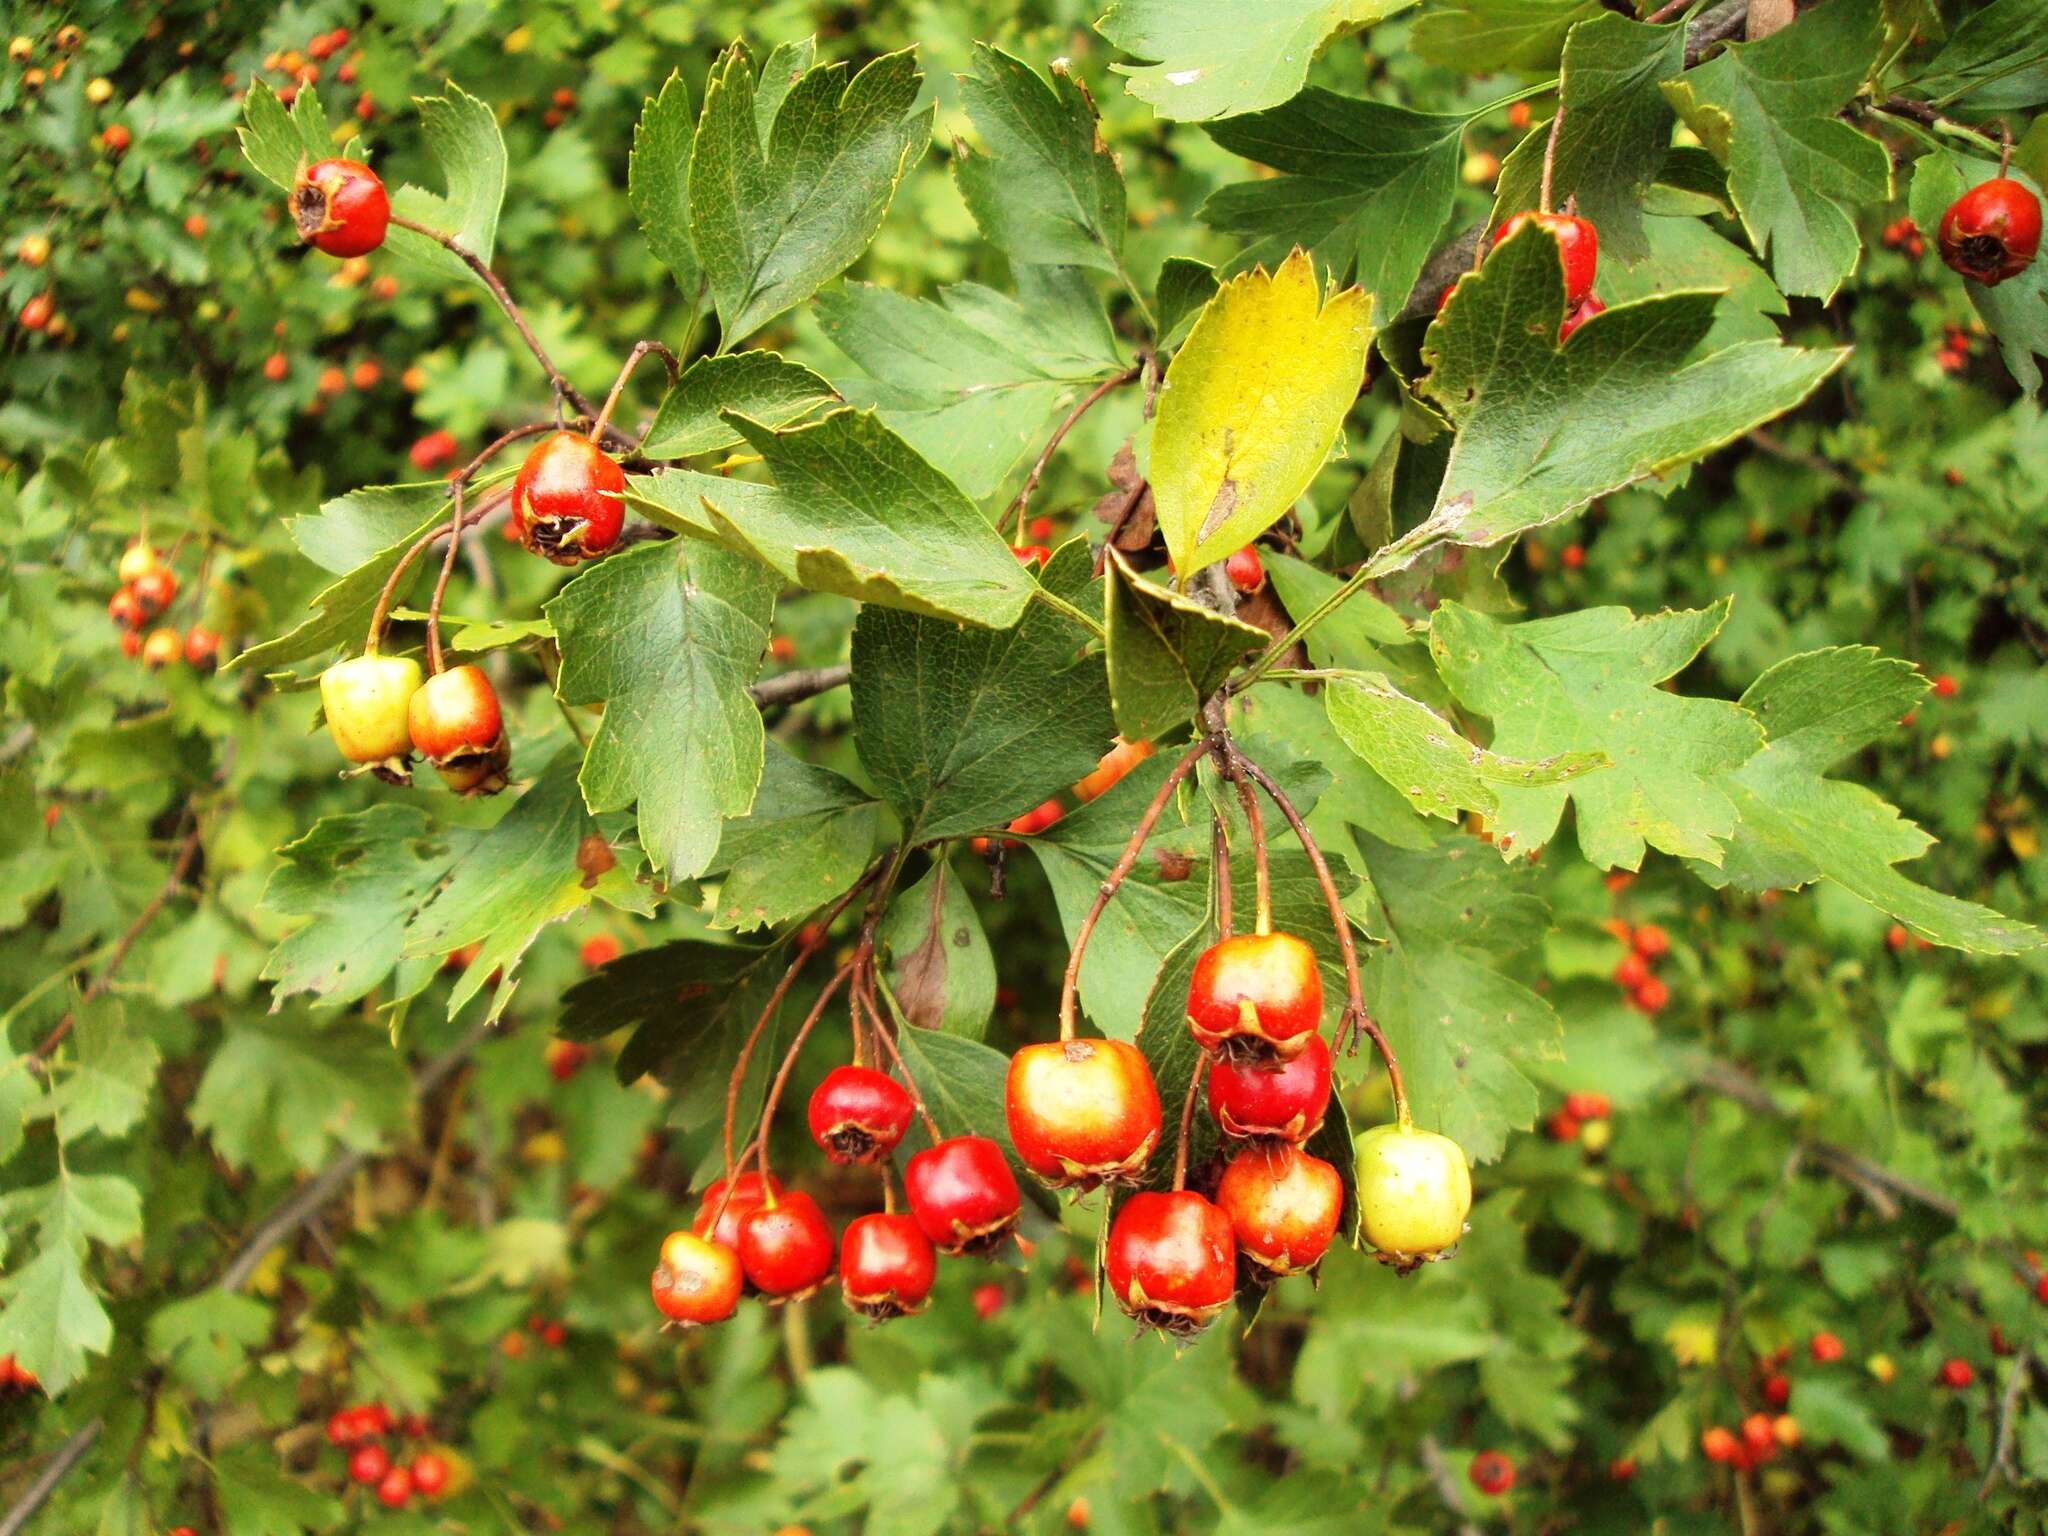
[
  {"x": 441, "y": 584},
  {"x": 1355, "y": 1015},
  {"x": 796, "y": 1046},
  {"x": 1219, "y": 861},
  {"x": 1022, "y": 501},
  {"x": 378, "y": 614},
  {"x": 1187, "y": 1120},
  {"x": 1255, "y": 819},
  {"x": 1550, "y": 145},
  {"x": 1129, "y": 858},
  {"x": 611, "y": 401},
  {"x": 931, "y": 1126}
]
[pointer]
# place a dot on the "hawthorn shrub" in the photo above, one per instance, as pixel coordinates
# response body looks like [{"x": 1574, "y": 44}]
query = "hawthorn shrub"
[{"x": 1010, "y": 676}]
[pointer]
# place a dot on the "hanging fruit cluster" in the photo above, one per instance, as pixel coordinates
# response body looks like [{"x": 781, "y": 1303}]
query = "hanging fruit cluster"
[
  {"x": 362, "y": 1433},
  {"x": 149, "y": 588}
]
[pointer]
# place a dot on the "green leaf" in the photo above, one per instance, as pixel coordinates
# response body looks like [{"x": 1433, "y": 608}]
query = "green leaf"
[
  {"x": 771, "y": 222},
  {"x": 759, "y": 385},
  {"x": 462, "y": 132},
  {"x": 1587, "y": 682},
  {"x": 278, "y": 1095},
  {"x": 1686, "y": 254},
  {"x": 1477, "y": 37},
  {"x": 106, "y": 1081},
  {"x": 1422, "y": 755},
  {"x": 205, "y": 1339},
  {"x": 942, "y": 974},
  {"x": 341, "y": 611},
  {"x": 1797, "y": 826},
  {"x": 971, "y": 381},
  {"x": 50, "y": 1318},
  {"x": 1543, "y": 429},
  {"x": 1364, "y": 186},
  {"x": 854, "y": 510},
  {"x": 272, "y": 138},
  {"x": 1185, "y": 286},
  {"x": 1462, "y": 1027},
  {"x": 807, "y": 838},
  {"x": 1166, "y": 653},
  {"x": 1251, "y": 405},
  {"x": 658, "y": 182},
  {"x": 960, "y": 1081},
  {"x": 259, "y": 1498},
  {"x": 1616, "y": 131},
  {"x": 1217, "y": 58},
  {"x": 359, "y": 525},
  {"x": 507, "y": 885},
  {"x": 1047, "y": 189},
  {"x": 1797, "y": 174},
  {"x": 1992, "y": 61},
  {"x": 357, "y": 879},
  {"x": 962, "y": 729},
  {"x": 668, "y": 636}
]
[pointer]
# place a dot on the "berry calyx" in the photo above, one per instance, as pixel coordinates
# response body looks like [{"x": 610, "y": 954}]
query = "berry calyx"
[
  {"x": 786, "y": 1246},
  {"x": 368, "y": 1463},
  {"x": 1491, "y": 1473},
  {"x": 697, "y": 1281},
  {"x": 1992, "y": 232},
  {"x": 1246, "y": 571},
  {"x": 366, "y": 699},
  {"x": 1082, "y": 1112},
  {"x": 1957, "y": 1374},
  {"x": 454, "y": 722},
  {"x": 1172, "y": 1260},
  {"x": 340, "y": 207},
  {"x": 963, "y": 1195},
  {"x": 1256, "y": 993},
  {"x": 567, "y": 500},
  {"x": 1414, "y": 1193},
  {"x": 719, "y": 1218},
  {"x": 1825, "y": 1348},
  {"x": 429, "y": 1473},
  {"x": 1283, "y": 1206},
  {"x": 886, "y": 1266},
  {"x": 1578, "y": 248},
  {"x": 1284, "y": 1099},
  {"x": 858, "y": 1115}
]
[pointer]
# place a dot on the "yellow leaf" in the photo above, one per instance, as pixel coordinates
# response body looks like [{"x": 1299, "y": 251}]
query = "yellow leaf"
[
  {"x": 1251, "y": 404},
  {"x": 1692, "y": 1343}
]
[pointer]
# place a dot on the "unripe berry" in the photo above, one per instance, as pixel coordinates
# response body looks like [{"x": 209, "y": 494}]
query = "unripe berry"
[
  {"x": 453, "y": 721},
  {"x": 858, "y": 1115},
  {"x": 697, "y": 1280},
  {"x": 1257, "y": 993},
  {"x": 1578, "y": 248},
  {"x": 366, "y": 700},
  {"x": 1172, "y": 1260},
  {"x": 161, "y": 649},
  {"x": 1082, "y": 1112},
  {"x": 568, "y": 499},
  {"x": 340, "y": 207},
  {"x": 1414, "y": 1192},
  {"x": 33, "y": 250}
]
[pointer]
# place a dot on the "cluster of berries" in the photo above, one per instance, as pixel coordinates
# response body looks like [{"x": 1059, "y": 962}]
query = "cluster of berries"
[
  {"x": 148, "y": 588},
  {"x": 1584, "y": 1119},
  {"x": 380, "y": 711},
  {"x": 303, "y": 68},
  {"x": 1760, "y": 1438},
  {"x": 560, "y": 105},
  {"x": 362, "y": 1430},
  {"x": 1635, "y": 973},
  {"x": 1953, "y": 355},
  {"x": 550, "y": 1331},
  {"x": 1902, "y": 234},
  {"x": 20, "y": 50}
]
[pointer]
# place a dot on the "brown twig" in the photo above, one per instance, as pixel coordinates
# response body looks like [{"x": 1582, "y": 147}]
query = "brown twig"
[
  {"x": 1665, "y": 12},
  {"x": 2008, "y": 1411},
  {"x": 1262, "y": 916},
  {"x": 380, "y": 613},
  {"x": 441, "y": 582},
  {"x": 1219, "y": 861},
  {"x": 1072, "y": 981},
  {"x": 1021, "y": 502},
  {"x": 931, "y": 1126},
  {"x": 69, "y": 1454},
  {"x": 794, "y": 687},
  {"x": 1187, "y": 1121},
  {"x": 611, "y": 401},
  {"x": 1550, "y": 145},
  {"x": 796, "y": 1046}
]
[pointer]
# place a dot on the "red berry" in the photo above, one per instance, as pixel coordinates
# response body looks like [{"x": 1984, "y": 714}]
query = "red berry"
[
  {"x": 989, "y": 1299},
  {"x": 886, "y": 1265},
  {"x": 131, "y": 644},
  {"x": 1992, "y": 231},
  {"x": 1246, "y": 571},
  {"x": 963, "y": 1194},
  {"x": 1587, "y": 1106},
  {"x": 161, "y": 649},
  {"x": 340, "y": 207},
  {"x": 1037, "y": 819},
  {"x": 437, "y": 447},
  {"x": 36, "y": 312},
  {"x": 1825, "y": 1348},
  {"x": 1283, "y": 1206},
  {"x": 859, "y": 1115},
  {"x": 1632, "y": 971},
  {"x": 126, "y": 609},
  {"x": 1110, "y": 770},
  {"x": 1622, "y": 1469},
  {"x": 155, "y": 589},
  {"x": 1719, "y": 1444},
  {"x": 1578, "y": 247},
  {"x": 454, "y": 723},
  {"x": 1957, "y": 1374},
  {"x": 598, "y": 951},
  {"x": 696, "y": 1281},
  {"x": 276, "y": 366},
  {"x": 395, "y": 1491},
  {"x": 1082, "y": 1112},
  {"x": 1562, "y": 1126},
  {"x": 782, "y": 648},
  {"x": 1518, "y": 115},
  {"x": 1040, "y": 529},
  {"x": 1757, "y": 1436},
  {"x": 1283, "y": 1099},
  {"x": 1172, "y": 1260},
  {"x": 719, "y": 1218},
  {"x": 786, "y": 1246},
  {"x": 2041, "y": 1289},
  {"x": 429, "y": 1474},
  {"x": 1651, "y": 942},
  {"x": 1895, "y": 937},
  {"x": 1945, "y": 686},
  {"x": 341, "y": 1427},
  {"x": 565, "y": 1058},
  {"x": 1031, "y": 554},
  {"x": 1256, "y": 990},
  {"x": 567, "y": 500},
  {"x": 1577, "y": 316},
  {"x": 1652, "y": 995},
  {"x": 1573, "y": 556},
  {"x": 1491, "y": 1473},
  {"x": 116, "y": 138},
  {"x": 554, "y": 1335},
  {"x": 368, "y": 1463},
  {"x": 202, "y": 648}
]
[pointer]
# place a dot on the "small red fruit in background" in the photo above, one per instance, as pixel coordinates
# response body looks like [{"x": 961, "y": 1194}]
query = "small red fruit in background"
[
  {"x": 1256, "y": 991},
  {"x": 436, "y": 448},
  {"x": 1945, "y": 685},
  {"x": 1622, "y": 1469},
  {"x": 1631, "y": 972},
  {"x": 565, "y": 1058},
  {"x": 395, "y": 1490},
  {"x": 454, "y": 723},
  {"x": 155, "y": 589},
  {"x": 567, "y": 500},
  {"x": 1573, "y": 556},
  {"x": 1247, "y": 572},
  {"x": 366, "y": 374},
  {"x": 782, "y": 648},
  {"x": 1491, "y": 1473},
  {"x": 989, "y": 1299},
  {"x": 276, "y": 367},
  {"x": 1756, "y": 1435},
  {"x": 719, "y": 1218},
  {"x": 368, "y": 1463},
  {"x": 1562, "y": 1126},
  {"x": 786, "y": 1246},
  {"x": 963, "y": 1194},
  {"x": 202, "y": 648},
  {"x": 429, "y": 1474},
  {"x": 1518, "y": 115},
  {"x": 1652, "y": 995},
  {"x": 1040, "y": 530},
  {"x": 1785, "y": 1430},
  {"x": 886, "y": 1265},
  {"x": 340, "y": 207},
  {"x": 1587, "y": 1106},
  {"x": 1651, "y": 942},
  {"x": 598, "y": 951},
  {"x": 1282, "y": 1099},
  {"x": 1957, "y": 1374},
  {"x": 126, "y": 609},
  {"x": 161, "y": 649},
  {"x": 116, "y": 138},
  {"x": 1110, "y": 770},
  {"x": 1777, "y": 1391},
  {"x": 1895, "y": 937},
  {"x": 696, "y": 1281},
  {"x": 1825, "y": 1348},
  {"x": 1082, "y": 1112},
  {"x": 1172, "y": 1260},
  {"x": 858, "y": 1115},
  {"x": 36, "y": 311},
  {"x": 1578, "y": 248},
  {"x": 195, "y": 225},
  {"x": 1283, "y": 1206},
  {"x": 1719, "y": 1444},
  {"x": 1992, "y": 231},
  {"x": 131, "y": 644},
  {"x": 2041, "y": 1289}
]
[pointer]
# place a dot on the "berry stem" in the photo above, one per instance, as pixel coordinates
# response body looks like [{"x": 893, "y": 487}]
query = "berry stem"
[
  {"x": 1187, "y": 1120},
  {"x": 1021, "y": 502},
  {"x": 611, "y": 401},
  {"x": 563, "y": 388},
  {"x": 1125, "y": 861},
  {"x": 1219, "y": 860},
  {"x": 789, "y": 1057},
  {"x": 420, "y": 545},
  {"x": 1355, "y": 1015},
  {"x": 441, "y": 584},
  {"x": 1255, "y": 819},
  {"x": 1550, "y": 146},
  {"x": 931, "y": 1126},
  {"x": 2004, "y": 149}
]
